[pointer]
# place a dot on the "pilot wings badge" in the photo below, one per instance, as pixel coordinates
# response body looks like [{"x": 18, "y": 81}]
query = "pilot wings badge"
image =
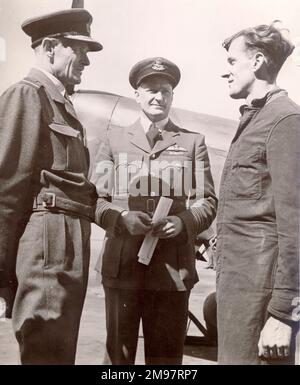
[
  {"x": 176, "y": 149},
  {"x": 158, "y": 66}
]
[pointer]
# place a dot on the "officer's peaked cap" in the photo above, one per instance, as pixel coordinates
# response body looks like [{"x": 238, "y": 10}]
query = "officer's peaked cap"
[
  {"x": 72, "y": 24},
  {"x": 158, "y": 66}
]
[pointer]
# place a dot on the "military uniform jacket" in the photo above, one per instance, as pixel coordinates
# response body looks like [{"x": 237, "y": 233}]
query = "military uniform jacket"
[
  {"x": 258, "y": 227},
  {"x": 131, "y": 163},
  {"x": 41, "y": 150}
]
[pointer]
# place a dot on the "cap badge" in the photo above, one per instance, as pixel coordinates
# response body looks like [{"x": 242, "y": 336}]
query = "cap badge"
[{"x": 158, "y": 66}]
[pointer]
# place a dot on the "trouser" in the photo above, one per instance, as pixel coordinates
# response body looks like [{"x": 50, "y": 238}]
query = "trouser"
[
  {"x": 52, "y": 272},
  {"x": 164, "y": 320},
  {"x": 239, "y": 325}
]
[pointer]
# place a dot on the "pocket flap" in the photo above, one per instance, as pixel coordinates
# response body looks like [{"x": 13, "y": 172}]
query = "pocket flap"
[
  {"x": 65, "y": 130},
  {"x": 135, "y": 161}
]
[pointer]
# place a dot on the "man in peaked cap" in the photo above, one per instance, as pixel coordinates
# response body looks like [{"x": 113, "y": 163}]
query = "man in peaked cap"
[
  {"x": 151, "y": 158},
  {"x": 46, "y": 200},
  {"x": 154, "y": 67}
]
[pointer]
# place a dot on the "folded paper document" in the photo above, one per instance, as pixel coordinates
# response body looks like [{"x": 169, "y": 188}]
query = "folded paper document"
[{"x": 150, "y": 242}]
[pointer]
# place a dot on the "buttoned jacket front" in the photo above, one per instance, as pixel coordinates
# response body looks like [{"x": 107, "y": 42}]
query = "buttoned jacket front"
[
  {"x": 42, "y": 150},
  {"x": 129, "y": 175}
]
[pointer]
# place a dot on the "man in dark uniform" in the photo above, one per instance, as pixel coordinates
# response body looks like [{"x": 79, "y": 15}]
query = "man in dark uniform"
[
  {"x": 135, "y": 166},
  {"x": 258, "y": 216},
  {"x": 46, "y": 201}
]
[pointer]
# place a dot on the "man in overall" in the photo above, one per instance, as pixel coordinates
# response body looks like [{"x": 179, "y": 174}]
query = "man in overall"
[
  {"x": 46, "y": 201},
  {"x": 133, "y": 168},
  {"x": 258, "y": 216}
]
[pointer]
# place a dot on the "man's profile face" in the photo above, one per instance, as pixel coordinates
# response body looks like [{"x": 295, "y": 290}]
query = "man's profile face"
[
  {"x": 155, "y": 96},
  {"x": 70, "y": 61},
  {"x": 240, "y": 72}
]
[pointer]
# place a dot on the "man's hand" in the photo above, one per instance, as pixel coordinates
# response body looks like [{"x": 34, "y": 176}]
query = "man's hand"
[
  {"x": 168, "y": 227},
  {"x": 275, "y": 339},
  {"x": 136, "y": 222}
]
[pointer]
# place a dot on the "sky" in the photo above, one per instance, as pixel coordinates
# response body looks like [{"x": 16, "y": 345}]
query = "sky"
[{"x": 188, "y": 32}]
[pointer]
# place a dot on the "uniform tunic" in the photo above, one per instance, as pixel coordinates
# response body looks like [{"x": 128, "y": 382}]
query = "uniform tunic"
[
  {"x": 42, "y": 152},
  {"x": 129, "y": 175}
]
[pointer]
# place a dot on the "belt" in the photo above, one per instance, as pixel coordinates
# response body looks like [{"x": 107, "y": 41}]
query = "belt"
[
  {"x": 149, "y": 204},
  {"x": 52, "y": 202}
]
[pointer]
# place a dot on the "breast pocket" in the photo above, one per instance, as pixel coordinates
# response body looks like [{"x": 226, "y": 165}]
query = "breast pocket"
[
  {"x": 246, "y": 176},
  {"x": 69, "y": 152}
]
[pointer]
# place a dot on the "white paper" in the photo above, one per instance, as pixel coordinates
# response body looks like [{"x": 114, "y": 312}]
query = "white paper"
[{"x": 150, "y": 242}]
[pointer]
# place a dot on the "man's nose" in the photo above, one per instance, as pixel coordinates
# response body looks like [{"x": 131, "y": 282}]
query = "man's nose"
[
  {"x": 85, "y": 60},
  {"x": 159, "y": 95}
]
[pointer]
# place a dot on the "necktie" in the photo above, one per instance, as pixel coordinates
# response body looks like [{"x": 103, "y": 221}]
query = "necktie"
[
  {"x": 152, "y": 135},
  {"x": 67, "y": 98},
  {"x": 69, "y": 105}
]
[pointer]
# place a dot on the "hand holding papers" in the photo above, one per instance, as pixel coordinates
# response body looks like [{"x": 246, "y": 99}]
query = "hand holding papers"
[{"x": 150, "y": 242}]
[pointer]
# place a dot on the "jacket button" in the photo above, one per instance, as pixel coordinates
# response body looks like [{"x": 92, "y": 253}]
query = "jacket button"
[{"x": 153, "y": 156}]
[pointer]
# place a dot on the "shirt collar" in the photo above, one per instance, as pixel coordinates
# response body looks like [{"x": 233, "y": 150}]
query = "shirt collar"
[
  {"x": 257, "y": 104},
  {"x": 146, "y": 123},
  {"x": 58, "y": 84}
]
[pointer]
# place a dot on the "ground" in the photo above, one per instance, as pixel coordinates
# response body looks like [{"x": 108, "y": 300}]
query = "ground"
[{"x": 92, "y": 334}]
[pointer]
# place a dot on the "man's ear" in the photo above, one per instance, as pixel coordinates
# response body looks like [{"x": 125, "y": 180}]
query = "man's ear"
[
  {"x": 137, "y": 96},
  {"x": 48, "y": 46},
  {"x": 260, "y": 59}
]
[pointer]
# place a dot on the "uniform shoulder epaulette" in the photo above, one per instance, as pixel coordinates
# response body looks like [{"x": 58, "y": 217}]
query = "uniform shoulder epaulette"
[
  {"x": 187, "y": 131},
  {"x": 45, "y": 99}
]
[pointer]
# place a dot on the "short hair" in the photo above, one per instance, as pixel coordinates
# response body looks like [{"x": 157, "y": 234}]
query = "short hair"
[{"x": 267, "y": 39}]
